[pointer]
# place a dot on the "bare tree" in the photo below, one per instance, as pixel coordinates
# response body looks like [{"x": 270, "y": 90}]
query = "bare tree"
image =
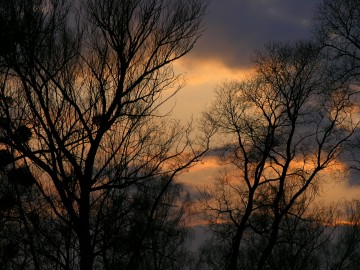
[
  {"x": 282, "y": 129},
  {"x": 337, "y": 30},
  {"x": 304, "y": 242},
  {"x": 337, "y": 27},
  {"x": 156, "y": 244},
  {"x": 81, "y": 84},
  {"x": 344, "y": 251}
]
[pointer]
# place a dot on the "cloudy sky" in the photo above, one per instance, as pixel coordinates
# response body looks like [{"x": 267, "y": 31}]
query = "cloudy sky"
[{"x": 234, "y": 29}]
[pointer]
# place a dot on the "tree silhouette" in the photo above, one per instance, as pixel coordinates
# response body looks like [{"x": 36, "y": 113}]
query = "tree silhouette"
[
  {"x": 81, "y": 84},
  {"x": 337, "y": 29},
  {"x": 280, "y": 131}
]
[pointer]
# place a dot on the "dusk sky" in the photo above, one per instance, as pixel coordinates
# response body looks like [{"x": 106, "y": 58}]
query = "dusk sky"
[
  {"x": 161, "y": 134},
  {"x": 234, "y": 30}
]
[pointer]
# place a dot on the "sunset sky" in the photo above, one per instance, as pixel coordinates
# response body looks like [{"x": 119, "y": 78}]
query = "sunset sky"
[{"x": 233, "y": 31}]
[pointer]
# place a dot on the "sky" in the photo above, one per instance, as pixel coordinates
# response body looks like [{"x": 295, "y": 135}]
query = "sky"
[{"x": 234, "y": 30}]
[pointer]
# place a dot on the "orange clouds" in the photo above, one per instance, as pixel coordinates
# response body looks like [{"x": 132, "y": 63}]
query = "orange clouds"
[
  {"x": 201, "y": 78},
  {"x": 334, "y": 184},
  {"x": 208, "y": 71},
  {"x": 202, "y": 173}
]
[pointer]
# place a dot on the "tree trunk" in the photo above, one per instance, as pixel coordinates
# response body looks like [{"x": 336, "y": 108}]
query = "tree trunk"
[
  {"x": 86, "y": 250},
  {"x": 269, "y": 248},
  {"x": 235, "y": 248}
]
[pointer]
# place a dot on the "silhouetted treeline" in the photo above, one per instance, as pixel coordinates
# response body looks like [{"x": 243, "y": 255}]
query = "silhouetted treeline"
[{"x": 89, "y": 165}]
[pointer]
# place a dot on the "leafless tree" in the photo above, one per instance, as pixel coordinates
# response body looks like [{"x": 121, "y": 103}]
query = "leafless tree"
[
  {"x": 303, "y": 242},
  {"x": 81, "y": 84},
  {"x": 344, "y": 251},
  {"x": 337, "y": 30},
  {"x": 281, "y": 130},
  {"x": 156, "y": 244},
  {"x": 337, "y": 27}
]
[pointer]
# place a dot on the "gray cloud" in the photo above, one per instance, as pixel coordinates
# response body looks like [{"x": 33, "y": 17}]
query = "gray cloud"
[{"x": 235, "y": 28}]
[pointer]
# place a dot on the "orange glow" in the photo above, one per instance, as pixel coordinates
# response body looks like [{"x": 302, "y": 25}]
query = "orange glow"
[
  {"x": 202, "y": 173},
  {"x": 210, "y": 70},
  {"x": 334, "y": 184},
  {"x": 345, "y": 223},
  {"x": 208, "y": 163}
]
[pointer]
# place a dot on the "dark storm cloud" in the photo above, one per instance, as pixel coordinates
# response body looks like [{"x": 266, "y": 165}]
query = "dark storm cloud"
[{"x": 235, "y": 28}]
